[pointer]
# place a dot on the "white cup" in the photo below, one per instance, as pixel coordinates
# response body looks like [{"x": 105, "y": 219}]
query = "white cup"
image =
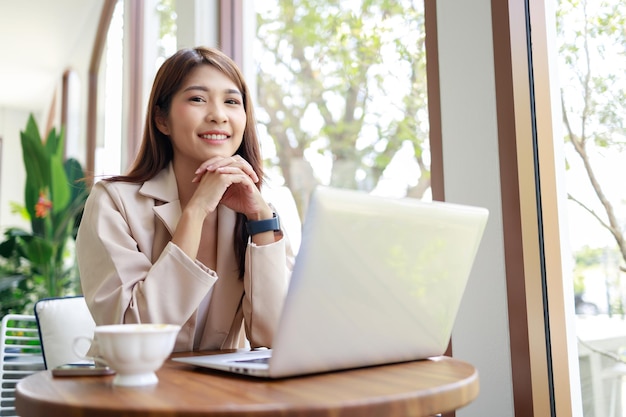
[{"x": 133, "y": 351}]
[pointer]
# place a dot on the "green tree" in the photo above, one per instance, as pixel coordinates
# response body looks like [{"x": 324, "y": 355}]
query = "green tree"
[
  {"x": 347, "y": 81},
  {"x": 592, "y": 51}
]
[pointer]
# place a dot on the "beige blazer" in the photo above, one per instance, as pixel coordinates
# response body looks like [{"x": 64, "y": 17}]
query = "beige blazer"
[{"x": 131, "y": 273}]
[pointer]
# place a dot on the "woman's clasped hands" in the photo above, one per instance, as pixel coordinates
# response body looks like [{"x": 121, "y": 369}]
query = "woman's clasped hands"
[{"x": 231, "y": 182}]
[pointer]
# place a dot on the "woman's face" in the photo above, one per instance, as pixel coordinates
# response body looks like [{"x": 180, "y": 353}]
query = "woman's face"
[{"x": 206, "y": 119}]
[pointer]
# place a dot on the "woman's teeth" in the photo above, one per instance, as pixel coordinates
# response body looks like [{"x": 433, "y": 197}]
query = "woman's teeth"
[{"x": 214, "y": 137}]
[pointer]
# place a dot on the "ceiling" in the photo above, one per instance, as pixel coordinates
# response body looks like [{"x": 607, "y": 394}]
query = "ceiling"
[{"x": 39, "y": 39}]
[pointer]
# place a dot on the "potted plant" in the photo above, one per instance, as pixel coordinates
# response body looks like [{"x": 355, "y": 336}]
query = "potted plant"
[{"x": 40, "y": 263}]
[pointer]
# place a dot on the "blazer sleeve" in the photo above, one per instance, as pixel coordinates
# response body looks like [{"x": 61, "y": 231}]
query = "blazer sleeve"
[
  {"x": 120, "y": 282},
  {"x": 266, "y": 278}
]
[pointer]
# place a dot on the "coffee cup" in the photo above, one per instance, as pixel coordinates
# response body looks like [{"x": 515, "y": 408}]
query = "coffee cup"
[{"x": 134, "y": 351}]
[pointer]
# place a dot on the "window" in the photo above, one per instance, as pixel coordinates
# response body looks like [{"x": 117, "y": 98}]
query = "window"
[
  {"x": 593, "y": 92},
  {"x": 342, "y": 96},
  {"x": 149, "y": 34}
]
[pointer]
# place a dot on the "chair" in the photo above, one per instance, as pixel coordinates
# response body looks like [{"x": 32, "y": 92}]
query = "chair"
[
  {"x": 606, "y": 369},
  {"x": 615, "y": 375},
  {"x": 60, "y": 321},
  {"x": 20, "y": 356}
]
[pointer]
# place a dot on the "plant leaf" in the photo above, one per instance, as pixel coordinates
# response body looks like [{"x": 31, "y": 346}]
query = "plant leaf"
[
  {"x": 75, "y": 174},
  {"x": 36, "y": 163},
  {"x": 59, "y": 186},
  {"x": 38, "y": 250}
]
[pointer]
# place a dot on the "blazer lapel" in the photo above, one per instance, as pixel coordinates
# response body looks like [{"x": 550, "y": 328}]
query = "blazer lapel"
[{"x": 163, "y": 189}]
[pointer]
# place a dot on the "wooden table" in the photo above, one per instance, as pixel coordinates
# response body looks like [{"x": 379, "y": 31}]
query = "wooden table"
[{"x": 420, "y": 388}]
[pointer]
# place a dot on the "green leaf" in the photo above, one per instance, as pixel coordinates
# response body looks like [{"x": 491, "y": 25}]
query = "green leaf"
[
  {"x": 59, "y": 186},
  {"x": 39, "y": 250},
  {"x": 7, "y": 248},
  {"x": 31, "y": 128},
  {"x": 54, "y": 143},
  {"x": 79, "y": 192},
  {"x": 75, "y": 176},
  {"x": 19, "y": 209},
  {"x": 36, "y": 163}
]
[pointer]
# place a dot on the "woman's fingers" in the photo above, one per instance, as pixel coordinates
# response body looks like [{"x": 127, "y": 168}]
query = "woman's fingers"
[
  {"x": 219, "y": 163},
  {"x": 229, "y": 170},
  {"x": 229, "y": 186}
]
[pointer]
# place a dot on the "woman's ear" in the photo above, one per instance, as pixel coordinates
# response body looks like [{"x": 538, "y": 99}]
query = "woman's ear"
[{"x": 161, "y": 121}]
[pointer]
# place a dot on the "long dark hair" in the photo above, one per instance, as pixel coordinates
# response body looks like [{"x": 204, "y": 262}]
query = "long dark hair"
[{"x": 156, "y": 150}]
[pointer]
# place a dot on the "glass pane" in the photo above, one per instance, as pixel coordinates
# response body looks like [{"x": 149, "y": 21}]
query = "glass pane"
[
  {"x": 342, "y": 95},
  {"x": 592, "y": 42},
  {"x": 108, "y": 151},
  {"x": 160, "y": 15},
  {"x": 166, "y": 43}
]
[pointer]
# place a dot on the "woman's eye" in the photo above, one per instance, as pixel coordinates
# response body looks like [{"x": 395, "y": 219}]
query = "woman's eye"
[
  {"x": 232, "y": 101},
  {"x": 197, "y": 99}
]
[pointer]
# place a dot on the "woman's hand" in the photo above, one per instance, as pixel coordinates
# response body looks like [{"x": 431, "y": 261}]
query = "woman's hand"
[{"x": 230, "y": 181}]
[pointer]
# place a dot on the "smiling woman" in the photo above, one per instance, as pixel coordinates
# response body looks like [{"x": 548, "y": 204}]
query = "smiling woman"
[{"x": 181, "y": 237}]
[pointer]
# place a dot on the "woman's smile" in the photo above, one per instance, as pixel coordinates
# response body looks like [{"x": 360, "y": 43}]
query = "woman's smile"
[{"x": 214, "y": 137}]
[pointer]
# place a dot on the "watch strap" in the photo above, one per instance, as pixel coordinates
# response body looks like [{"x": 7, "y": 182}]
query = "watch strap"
[{"x": 254, "y": 227}]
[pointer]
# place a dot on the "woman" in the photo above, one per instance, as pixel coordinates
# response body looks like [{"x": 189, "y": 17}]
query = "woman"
[{"x": 186, "y": 237}]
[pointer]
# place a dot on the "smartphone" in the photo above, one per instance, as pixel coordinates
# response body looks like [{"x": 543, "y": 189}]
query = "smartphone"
[{"x": 81, "y": 369}]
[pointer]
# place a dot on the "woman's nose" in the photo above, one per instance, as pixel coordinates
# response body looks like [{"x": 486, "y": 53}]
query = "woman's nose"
[{"x": 216, "y": 113}]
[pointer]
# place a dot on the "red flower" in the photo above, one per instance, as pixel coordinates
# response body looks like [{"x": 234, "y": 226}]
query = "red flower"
[{"x": 43, "y": 206}]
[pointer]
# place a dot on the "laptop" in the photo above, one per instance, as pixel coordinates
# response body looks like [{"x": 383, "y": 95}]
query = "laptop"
[{"x": 376, "y": 281}]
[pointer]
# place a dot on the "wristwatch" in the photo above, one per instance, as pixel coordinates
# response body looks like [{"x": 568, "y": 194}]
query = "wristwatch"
[{"x": 259, "y": 226}]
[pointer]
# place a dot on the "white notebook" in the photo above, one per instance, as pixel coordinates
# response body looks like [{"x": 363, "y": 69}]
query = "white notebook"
[{"x": 377, "y": 280}]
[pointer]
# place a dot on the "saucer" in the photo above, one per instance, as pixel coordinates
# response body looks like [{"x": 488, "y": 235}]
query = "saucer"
[{"x": 135, "y": 380}]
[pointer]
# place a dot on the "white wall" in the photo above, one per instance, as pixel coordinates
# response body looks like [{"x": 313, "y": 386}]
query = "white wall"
[{"x": 471, "y": 173}]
